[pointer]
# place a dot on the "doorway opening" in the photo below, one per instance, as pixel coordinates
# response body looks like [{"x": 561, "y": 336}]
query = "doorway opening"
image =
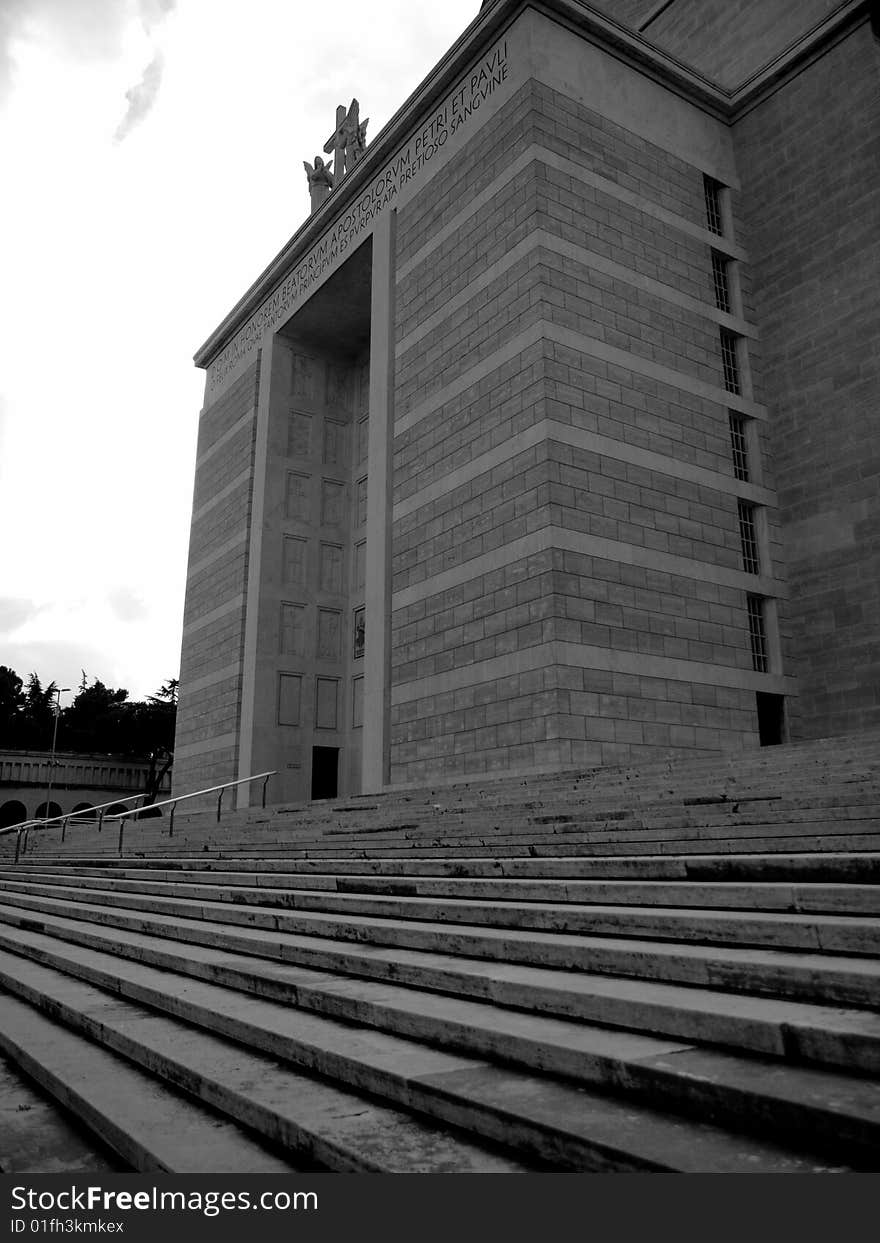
[
  {"x": 325, "y": 772},
  {"x": 771, "y": 719}
]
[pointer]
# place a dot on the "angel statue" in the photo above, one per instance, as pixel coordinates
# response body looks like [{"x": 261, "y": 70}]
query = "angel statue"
[{"x": 320, "y": 181}]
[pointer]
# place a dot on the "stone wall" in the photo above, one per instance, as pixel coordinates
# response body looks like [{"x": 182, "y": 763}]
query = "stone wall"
[
  {"x": 206, "y": 747},
  {"x": 809, "y": 159},
  {"x": 568, "y": 578}
]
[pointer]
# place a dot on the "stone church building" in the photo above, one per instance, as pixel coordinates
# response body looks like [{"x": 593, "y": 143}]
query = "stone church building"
[{"x": 551, "y": 436}]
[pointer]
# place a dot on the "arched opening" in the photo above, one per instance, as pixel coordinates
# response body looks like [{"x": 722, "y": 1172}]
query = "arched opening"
[
  {"x": 115, "y": 809},
  {"x": 48, "y": 811},
  {"x": 84, "y": 811},
  {"x": 149, "y": 812},
  {"x": 12, "y": 812}
]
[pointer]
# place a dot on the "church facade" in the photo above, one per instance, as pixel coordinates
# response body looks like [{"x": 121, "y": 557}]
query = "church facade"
[{"x": 550, "y": 438}]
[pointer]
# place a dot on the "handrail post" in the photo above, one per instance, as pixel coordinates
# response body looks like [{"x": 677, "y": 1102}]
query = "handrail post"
[
  {"x": 17, "y": 844},
  {"x": 100, "y": 820},
  {"x": 121, "y": 831},
  {"x": 171, "y": 820},
  {"x": 265, "y": 783},
  {"x": 219, "y": 801},
  {"x": 64, "y": 821},
  {"x": 27, "y": 834}
]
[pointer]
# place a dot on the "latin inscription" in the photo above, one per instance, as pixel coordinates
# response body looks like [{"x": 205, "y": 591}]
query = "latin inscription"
[{"x": 455, "y": 113}]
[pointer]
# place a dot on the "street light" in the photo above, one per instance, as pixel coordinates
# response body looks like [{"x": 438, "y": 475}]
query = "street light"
[{"x": 56, "y": 709}]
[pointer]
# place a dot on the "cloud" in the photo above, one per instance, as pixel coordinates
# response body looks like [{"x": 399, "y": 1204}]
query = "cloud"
[
  {"x": 14, "y": 612},
  {"x": 127, "y": 605},
  {"x": 79, "y": 30},
  {"x": 141, "y": 97}
]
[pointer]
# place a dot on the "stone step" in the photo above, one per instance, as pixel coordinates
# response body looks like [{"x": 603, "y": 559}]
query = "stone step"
[
  {"x": 547, "y": 1118},
  {"x": 833, "y": 980},
  {"x": 788, "y": 1030},
  {"x": 546, "y": 846},
  {"x": 150, "y": 1125},
  {"x": 853, "y": 867},
  {"x": 38, "y": 1136},
  {"x": 316, "y": 1121},
  {"x": 815, "y": 898},
  {"x": 323, "y": 912}
]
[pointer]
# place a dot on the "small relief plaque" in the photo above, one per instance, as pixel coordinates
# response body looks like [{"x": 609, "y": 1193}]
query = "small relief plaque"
[
  {"x": 331, "y": 568},
  {"x": 289, "y": 698},
  {"x": 338, "y": 387},
  {"x": 327, "y": 703},
  {"x": 304, "y": 377},
  {"x": 299, "y": 435},
  {"x": 361, "y": 504},
  {"x": 296, "y": 499},
  {"x": 335, "y": 443},
  {"x": 292, "y": 630},
  {"x": 360, "y": 565},
  {"x": 359, "y": 632},
  {"x": 363, "y": 439},
  {"x": 293, "y": 570},
  {"x": 357, "y": 703},
  {"x": 332, "y": 502},
  {"x": 329, "y": 627}
]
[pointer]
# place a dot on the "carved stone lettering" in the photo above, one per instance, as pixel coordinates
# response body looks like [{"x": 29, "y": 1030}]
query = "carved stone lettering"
[{"x": 408, "y": 164}]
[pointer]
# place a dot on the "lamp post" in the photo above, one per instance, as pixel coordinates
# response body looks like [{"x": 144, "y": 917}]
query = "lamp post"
[{"x": 56, "y": 709}]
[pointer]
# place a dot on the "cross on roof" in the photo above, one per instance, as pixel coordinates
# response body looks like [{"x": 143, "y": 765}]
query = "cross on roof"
[{"x": 348, "y": 140}]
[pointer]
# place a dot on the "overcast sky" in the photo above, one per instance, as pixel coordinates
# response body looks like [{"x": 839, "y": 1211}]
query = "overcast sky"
[{"x": 151, "y": 156}]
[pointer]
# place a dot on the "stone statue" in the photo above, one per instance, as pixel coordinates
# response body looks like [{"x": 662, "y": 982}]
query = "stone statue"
[
  {"x": 349, "y": 140},
  {"x": 320, "y": 181}
]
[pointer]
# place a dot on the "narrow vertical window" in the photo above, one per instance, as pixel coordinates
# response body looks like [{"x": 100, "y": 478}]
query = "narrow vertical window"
[
  {"x": 757, "y": 633},
  {"x": 720, "y": 281},
  {"x": 730, "y": 361},
  {"x": 712, "y": 193},
  {"x": 748, "y": 535},
  {"x": 739, "y": 446}
]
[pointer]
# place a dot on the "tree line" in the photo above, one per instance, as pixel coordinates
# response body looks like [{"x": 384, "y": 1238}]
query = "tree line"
[{"x": 100, "y": 719}]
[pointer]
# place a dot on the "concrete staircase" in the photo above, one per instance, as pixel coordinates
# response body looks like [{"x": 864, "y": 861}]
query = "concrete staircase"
[{"x": 672, "y": 967}]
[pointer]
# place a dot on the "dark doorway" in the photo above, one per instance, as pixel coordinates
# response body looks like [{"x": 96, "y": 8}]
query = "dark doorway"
[
  {"x": 325, "y": 772},
  {"x": 771, "y": 719}
]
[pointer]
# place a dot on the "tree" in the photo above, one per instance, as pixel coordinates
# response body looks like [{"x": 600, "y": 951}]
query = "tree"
[
  {"x": 11, "y": 702},
  {"x": 36, "y": 719},
  {"x": 95, "y": 721}
]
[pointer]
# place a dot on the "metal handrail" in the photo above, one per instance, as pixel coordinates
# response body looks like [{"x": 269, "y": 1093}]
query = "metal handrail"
[
  {"x": 25, "y": 826},
  {"x": 180, "y": 798}
]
